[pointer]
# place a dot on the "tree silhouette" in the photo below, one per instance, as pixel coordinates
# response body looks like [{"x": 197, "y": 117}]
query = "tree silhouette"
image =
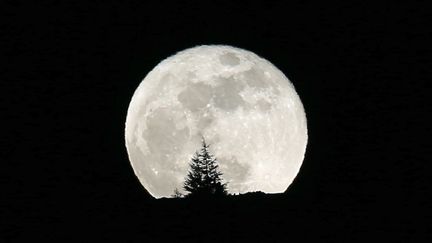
[
  {"x": 204, "y": 177},
  {"x": 177, "y": 194}
]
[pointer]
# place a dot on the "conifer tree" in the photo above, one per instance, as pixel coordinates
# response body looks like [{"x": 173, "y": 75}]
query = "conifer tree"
[
  {"x": 193, "y": 183},
  {"x": 204, "y": 177},
  {"x": 177, "y": 194}
]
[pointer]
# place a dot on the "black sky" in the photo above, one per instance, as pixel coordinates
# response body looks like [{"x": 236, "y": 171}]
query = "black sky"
[{"x": 71, "y": 68}]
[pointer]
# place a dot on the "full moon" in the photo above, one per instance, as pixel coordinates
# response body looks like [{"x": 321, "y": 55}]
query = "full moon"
[{"x": 244, "y": 107}]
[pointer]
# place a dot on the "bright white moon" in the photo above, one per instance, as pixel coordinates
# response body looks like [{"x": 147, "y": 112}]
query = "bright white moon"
[{"x": 246, "y": 109}]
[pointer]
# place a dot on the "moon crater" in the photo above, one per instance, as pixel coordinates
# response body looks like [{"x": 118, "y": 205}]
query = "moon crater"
[{"x": 229, "y": 59}]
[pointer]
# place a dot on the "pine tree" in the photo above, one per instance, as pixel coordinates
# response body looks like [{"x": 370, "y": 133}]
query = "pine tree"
[
  {"x": 193, "y": 183},
  {"x": 177, "y": 194},
  {"x": 204, "y": 177}
]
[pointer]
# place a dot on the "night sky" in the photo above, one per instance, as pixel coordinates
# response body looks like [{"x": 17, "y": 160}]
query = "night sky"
[{"x": 70, "y": 70}]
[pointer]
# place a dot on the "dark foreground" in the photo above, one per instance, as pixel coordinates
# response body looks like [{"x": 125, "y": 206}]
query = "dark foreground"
[{"x": 256, "y": 217}]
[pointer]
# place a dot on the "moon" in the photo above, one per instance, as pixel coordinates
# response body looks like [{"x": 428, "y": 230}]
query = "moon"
[{"x": 245, "y": 108}]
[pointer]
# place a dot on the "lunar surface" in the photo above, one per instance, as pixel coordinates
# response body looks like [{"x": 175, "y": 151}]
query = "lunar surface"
[{"x": 245, "y": 108}]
